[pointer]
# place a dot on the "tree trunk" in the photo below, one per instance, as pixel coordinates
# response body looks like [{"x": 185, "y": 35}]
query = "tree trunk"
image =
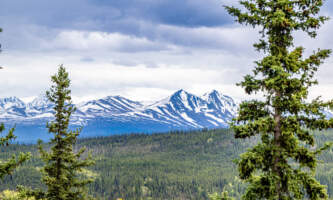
[{"x": 277, "y": 143}]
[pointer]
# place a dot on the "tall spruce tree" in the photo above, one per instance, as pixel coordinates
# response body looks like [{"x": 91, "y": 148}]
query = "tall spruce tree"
[
  {"x": 62, "y": 173},
  {"x": 282, "y": 165},
  {"x": 9, "y": 166}
]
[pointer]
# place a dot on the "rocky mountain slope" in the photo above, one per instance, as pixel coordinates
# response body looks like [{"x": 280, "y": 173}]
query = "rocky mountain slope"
[{"x": 115, "y": 114}]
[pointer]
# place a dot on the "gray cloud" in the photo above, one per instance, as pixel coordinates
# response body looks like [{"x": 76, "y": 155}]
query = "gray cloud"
[
  {"x": 106, "y": 15},
  {"x": 25, "y": 22},
  {"x": 32, "y": 24},
  {"x": 190, "y": 13}
]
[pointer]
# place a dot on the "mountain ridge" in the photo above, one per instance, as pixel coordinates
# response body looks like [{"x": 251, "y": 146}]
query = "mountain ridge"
[{"x": 116, "y": 114}]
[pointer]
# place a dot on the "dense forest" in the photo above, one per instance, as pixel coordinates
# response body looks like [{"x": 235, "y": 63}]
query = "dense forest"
[{"x": 176, "y": 165}]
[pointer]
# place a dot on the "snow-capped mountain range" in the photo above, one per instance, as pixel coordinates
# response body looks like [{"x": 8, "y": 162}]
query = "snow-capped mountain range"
[{"x": 115, "y": 114}]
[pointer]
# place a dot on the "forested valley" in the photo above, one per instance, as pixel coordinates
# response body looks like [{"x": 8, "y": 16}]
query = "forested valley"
[{"x": 175, "y": 165}]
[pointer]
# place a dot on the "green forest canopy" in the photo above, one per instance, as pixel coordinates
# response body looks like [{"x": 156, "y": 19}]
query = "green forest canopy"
[{"x": 178, "y": 165}]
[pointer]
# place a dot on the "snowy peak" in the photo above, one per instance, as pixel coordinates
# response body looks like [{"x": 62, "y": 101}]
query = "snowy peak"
[
  {"x": 39, "y": 103},
  {"x": 194, "y": 111},
  {"x": 39, "y": 106},
  {"x": 221, "y": 102},
  {"x": 12, "y": 107},
  {"x": 183, "y": 101},
  {"x": 9, "y": 102},
  {"x": 109, "y": 105},
  {"x": 214, "y": 95},
  {"x": 124, "y": 102},
  {"x": 180, "y": 95}
]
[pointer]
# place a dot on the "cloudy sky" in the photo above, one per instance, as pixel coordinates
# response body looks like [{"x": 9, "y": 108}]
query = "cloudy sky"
[{"x": 141, "y": 49}]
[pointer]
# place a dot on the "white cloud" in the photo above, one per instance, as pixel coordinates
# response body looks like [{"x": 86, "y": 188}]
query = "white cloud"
[
  {"x": 29, "y": 76},
  {"x": 103, "y": 41},
  {"x": 233, "y": 39}
]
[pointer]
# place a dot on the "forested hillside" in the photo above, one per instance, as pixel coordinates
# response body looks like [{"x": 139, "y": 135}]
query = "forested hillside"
[{"x": 178, "y": 165}]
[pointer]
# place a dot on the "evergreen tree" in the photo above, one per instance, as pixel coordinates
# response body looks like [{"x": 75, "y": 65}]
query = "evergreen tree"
[
  {"x": 63, "y": 170},
  {"x": 282, "y": 165},
  {"x": 9, "y": 166}
]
